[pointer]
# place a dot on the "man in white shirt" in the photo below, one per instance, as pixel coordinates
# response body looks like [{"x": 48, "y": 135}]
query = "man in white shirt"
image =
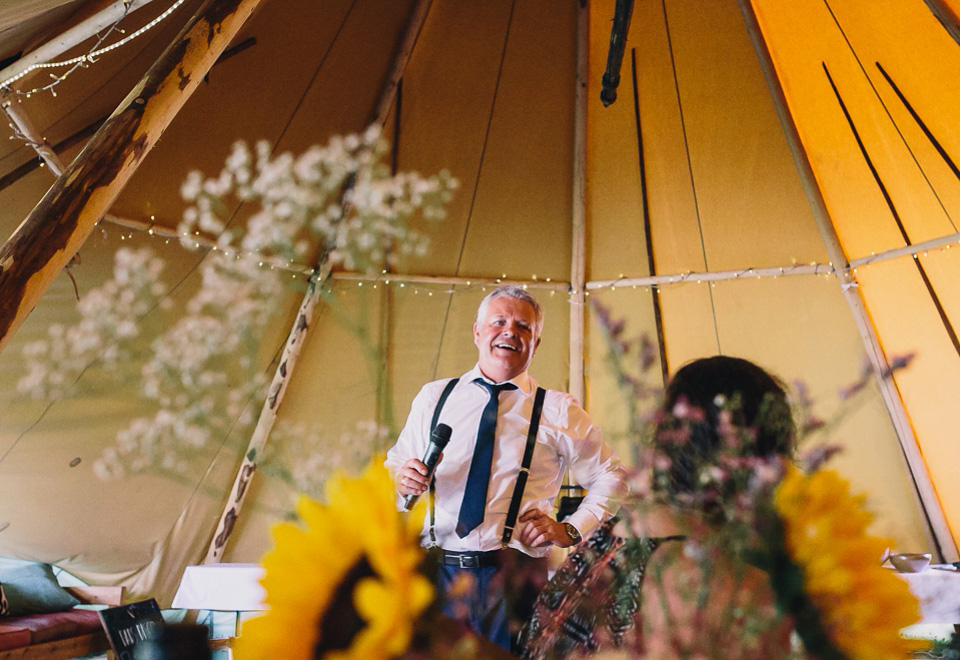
[{"x": 468, "y": 526}]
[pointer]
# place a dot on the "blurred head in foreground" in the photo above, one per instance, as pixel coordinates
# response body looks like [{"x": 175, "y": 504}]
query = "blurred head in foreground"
[{"x": 721, "y": 412}]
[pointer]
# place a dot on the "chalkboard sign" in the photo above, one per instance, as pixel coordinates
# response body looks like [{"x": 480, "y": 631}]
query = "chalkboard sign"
[{"x": 129, "y": 624}]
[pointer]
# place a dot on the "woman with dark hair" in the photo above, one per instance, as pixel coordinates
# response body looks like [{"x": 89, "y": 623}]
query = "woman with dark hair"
[{"x": 720, "y": 417}]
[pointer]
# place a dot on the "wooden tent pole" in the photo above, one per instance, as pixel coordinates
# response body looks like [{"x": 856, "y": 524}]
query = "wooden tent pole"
[
  {"x": 298, "y": 332},
  {"x": 947, "y": 14},
  {"x": 942, "y": 538},
  {"x": 579, "y": 212},
  {"x": 60, "y": 223},
  {"x": 417, "y": 18},
  {"x": 268, "y": 415},
  {"x": 72, "y": 37},
  {"x": 39, "y": 144}
]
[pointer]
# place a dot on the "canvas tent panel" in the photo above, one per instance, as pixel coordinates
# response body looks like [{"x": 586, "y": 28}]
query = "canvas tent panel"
[
  {"x": 861, "y": 213},
  {"x": 487, "y": 99},
  {"x": 903, "y": 308},
  {"x": 735, "y": 200},
  {"x": 749, "y": 215},
  {"x": 734, "y": 204}
]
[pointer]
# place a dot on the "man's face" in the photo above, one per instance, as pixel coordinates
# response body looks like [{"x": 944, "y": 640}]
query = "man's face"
[{"x": 506, "y": 338}]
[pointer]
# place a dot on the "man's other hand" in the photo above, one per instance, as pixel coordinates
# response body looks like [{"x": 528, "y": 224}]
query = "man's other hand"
[{"x": 539, "y": 530}]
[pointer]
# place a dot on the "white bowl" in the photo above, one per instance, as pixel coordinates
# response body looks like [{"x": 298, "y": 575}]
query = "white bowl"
[{"x": 910, "y": 562}]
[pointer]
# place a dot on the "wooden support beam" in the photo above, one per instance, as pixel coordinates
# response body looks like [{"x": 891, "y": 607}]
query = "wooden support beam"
[
  {"x": 268, "y": 415},
  {"x": 947, "y": 15},
  {"x": 72, "y": 37},
  {"x": 22, "y": 125},
  {"x": 578, "y": 266},
  {"x": 60, "y": 223}
]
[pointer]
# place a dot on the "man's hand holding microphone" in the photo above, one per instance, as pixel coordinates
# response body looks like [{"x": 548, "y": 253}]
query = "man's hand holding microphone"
[{"x": 414, "y": 476}]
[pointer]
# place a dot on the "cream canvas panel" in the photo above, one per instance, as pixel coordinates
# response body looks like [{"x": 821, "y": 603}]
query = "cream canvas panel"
[
  {"x": 736, "y": 202},
  {"x": 138, "y": 529},
  {"x": 488, "y": 97},
  {"x": 922, "y": 59}
]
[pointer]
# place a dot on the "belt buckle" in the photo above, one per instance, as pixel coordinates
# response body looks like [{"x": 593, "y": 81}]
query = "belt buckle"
[{"x": 467, "y": 561}]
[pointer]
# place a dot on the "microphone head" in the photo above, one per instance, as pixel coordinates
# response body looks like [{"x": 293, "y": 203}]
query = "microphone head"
[{"x": 441, "y": 435}]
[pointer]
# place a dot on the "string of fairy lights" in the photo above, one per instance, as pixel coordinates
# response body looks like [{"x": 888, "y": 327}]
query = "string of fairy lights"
[
  {"x": 88, "y": 58},
  {"x": 428, "y": 284}
]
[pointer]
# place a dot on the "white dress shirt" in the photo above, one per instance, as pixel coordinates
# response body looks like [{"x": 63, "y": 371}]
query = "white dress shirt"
[{"x": 566, "y": 439}]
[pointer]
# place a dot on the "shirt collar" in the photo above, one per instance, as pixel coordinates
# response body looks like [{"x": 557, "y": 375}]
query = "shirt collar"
[{"x": 523, "y": 381}]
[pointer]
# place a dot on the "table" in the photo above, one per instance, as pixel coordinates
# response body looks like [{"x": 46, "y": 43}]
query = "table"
[
  {"x": 227, "y": 591},
  {"x": 222, "y": 587},
  {"x": 938, "y": 592}
]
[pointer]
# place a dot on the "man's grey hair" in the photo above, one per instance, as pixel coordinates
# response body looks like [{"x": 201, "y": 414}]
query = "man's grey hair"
[{"x": 513, "y": 292}]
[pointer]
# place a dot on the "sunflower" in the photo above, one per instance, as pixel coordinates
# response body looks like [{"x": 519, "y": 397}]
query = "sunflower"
[
  {"x": 343, "y": 585},
  {"x": 858, "y": 607}
]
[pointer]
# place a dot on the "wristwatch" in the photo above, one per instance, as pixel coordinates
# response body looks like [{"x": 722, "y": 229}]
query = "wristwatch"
[{"x": 572, "y": 532}]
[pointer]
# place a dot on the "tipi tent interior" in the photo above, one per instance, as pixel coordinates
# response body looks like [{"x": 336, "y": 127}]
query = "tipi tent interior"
[{"x": 775, "y": 181}]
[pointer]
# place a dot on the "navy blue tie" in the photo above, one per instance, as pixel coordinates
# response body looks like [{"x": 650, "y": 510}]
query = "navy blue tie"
[{"x": 475, "y": 493}]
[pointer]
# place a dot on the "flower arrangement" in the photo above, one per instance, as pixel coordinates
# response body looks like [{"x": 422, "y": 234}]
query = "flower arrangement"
[
  {"x": 828, "y": 576},
  {"x": 345, "y": 584},
  {"x": 333, "y": 204}
]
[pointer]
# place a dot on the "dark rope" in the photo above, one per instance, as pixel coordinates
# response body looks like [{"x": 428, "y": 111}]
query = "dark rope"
[{"x": 647, "y": 229}]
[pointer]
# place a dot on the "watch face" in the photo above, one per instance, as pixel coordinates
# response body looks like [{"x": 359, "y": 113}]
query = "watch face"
[{"x": 572, "y": 532}]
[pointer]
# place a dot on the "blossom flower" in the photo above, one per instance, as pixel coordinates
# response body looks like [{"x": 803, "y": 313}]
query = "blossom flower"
[
  {"x": 355, "y": 599},
  {"x": 860, "y": 606}
]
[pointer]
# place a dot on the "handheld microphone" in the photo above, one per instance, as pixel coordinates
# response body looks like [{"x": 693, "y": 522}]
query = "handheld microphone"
[{"x": 438, "y": 440}]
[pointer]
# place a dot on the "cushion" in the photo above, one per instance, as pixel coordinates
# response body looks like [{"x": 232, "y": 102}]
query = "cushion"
[
  {"x": 57, "y": 625},
  {"x": 13, "y": 637},
  {"x": 33, "y": 589}
]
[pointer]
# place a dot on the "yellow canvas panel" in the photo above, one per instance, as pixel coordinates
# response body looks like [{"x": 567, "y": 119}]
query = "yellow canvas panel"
[
  {"x": 804, "y": 39},
  {"x": 448, "y": 95},
  {"x": 751, "y": 208},
  {"x": 908, "y": 324},
  {"x": 866, "y": 204},
  {"x": 608, "y": 402},
  {"x": 689, "y": 322},
  {"x": 794, "y": 327},
  {"x": 671, "y": 200}
]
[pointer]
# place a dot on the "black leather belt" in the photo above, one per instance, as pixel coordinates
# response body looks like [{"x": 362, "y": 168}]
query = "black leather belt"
[{"x": 471, "y": 559}]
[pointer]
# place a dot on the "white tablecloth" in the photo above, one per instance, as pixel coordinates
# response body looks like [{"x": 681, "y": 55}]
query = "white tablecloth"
[
  {"x": 227, "y": 587},
  {"x": 938, "y": 592}
]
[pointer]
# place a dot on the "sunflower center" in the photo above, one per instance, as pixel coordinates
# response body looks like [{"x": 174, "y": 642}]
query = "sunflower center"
[{"x": 341, "y": 622}]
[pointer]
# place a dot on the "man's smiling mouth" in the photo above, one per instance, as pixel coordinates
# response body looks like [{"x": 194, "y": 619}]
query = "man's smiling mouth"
[{"x": 507, "y": 347}]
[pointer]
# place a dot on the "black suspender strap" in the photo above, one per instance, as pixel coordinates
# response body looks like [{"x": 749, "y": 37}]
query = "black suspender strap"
[
  {"x": 433, "y": 424},
  {"x": 524, "y": 467}
]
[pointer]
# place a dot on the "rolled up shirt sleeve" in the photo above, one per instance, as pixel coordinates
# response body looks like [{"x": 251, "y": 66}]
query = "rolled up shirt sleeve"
[{"x": 593, "y": 465}]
